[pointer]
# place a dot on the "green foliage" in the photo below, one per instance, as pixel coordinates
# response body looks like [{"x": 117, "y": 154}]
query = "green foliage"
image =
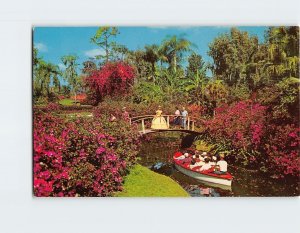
[
  {"x": 45, "y": 79},
  {"x": 142, "y": 182},
  {"x": 70, "y": 73},
  {"x": 195, "y": 66},
  {"x": 201, "y": 145},
  {"x": 231, "y": 54},
  {"x": 240, "y": 92},
  {"x": 146, "y": 92}
]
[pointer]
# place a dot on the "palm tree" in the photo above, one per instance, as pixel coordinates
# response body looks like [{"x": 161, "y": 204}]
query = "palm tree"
[
  {"x": 152, "y": 56},
  {"x": 173, "y": 49}
]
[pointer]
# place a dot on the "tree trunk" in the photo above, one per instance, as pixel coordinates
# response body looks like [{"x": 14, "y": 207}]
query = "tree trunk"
[
  {"x": 174, "y": 63},
  {"x": 75, "y": 97}
]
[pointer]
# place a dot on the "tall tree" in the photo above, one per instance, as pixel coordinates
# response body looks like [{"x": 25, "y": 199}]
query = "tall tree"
[
  {"x": 196, "y": 79},
  {"x": 231, "y": 54},
  {"x": 151, "y": 55},
  {"x": 195, "y": 65},
  {"x": 45, "y": 74},
  {"x": 102, "y": 38},
  {"x": 142, "y": 67},
  {"x": 119, "y": 51},
  {"x": 70, "y": 73}
]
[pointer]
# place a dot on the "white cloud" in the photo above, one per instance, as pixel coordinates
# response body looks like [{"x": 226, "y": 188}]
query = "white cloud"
[
  {"x": 94, "y": 52},
  {"x": 41, "y": 47},
  {"x": 62, "y": 66}
]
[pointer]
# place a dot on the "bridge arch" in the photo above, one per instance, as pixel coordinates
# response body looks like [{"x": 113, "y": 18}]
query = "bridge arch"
[{"x": 145, "y": 129}]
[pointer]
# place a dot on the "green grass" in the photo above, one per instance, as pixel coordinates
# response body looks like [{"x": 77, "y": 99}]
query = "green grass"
[
  {"x": 142, "y": 182},
  {"x": 66, "y": 102}
]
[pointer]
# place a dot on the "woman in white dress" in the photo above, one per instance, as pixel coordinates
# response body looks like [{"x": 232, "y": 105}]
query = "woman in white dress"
[{"x": 159, "y": 121}]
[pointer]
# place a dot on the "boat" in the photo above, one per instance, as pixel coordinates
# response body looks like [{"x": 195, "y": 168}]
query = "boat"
[{"x": 207, "y": 176}]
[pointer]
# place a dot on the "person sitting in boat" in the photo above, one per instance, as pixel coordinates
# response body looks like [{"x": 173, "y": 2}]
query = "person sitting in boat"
[
  {"x": 187, "y": 160},
  {"x": 213, "y": 161},
  {"x": 197, "y": 154},
  {"x": 159, "y": 121},
  {"x": 222, "y": 165},
  {"x": 204, "y": 154},
  {"x": 183, "y": 156},
  {"x": 206, "y": 165},
  {"x": 197, "y": 163}
]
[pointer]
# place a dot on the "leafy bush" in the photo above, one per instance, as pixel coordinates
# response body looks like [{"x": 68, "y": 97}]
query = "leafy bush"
[{"x": 202, "y": 145}]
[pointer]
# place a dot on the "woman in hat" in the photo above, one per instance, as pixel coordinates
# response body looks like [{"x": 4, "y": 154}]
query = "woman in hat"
[{"x": 159, "y": 121}]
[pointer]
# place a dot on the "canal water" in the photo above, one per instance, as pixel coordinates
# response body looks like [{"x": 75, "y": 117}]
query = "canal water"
[{"x": 157, "y": 151}]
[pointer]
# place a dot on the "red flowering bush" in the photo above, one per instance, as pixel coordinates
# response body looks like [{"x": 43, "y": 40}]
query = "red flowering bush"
[
  {"x": 79, "y": 158},
  {"x": 282, "y": 147},
  {"x": 113, "y": 78},
  {"x": 195, "y": 110}
]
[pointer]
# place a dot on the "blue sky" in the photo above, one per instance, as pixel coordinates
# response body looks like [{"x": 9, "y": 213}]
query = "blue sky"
[{"x": 55, "y": 42}]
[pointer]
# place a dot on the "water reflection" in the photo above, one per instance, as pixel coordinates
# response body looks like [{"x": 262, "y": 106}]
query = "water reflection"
[{"x": 157, "y": 155}]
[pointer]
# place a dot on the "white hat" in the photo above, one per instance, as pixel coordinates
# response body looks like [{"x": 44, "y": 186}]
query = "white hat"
[
  {"x": 186, "y": 154},
  {"x": 204, "y": 153}
]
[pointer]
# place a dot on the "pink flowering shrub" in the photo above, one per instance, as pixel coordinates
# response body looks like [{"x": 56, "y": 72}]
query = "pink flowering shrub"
[
  {"x": 245, "y": 130},
  {"x": 241, "y": 124},
  {"x": 79, "y": 158},
  {"x": 282, "y": 147}
]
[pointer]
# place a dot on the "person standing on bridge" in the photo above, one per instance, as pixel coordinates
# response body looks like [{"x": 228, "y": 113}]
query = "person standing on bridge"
[
  {"x": 159, "y": 122},
  {"x": 184, "y": 115},
  {"x": 177, "y": 117}
]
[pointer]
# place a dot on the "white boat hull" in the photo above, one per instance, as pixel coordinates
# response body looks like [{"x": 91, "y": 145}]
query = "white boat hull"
[{"x": 203, "y": 177}]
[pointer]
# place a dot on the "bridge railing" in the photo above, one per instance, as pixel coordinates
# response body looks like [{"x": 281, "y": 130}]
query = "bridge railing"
[{"x": 189, "y": 126}]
